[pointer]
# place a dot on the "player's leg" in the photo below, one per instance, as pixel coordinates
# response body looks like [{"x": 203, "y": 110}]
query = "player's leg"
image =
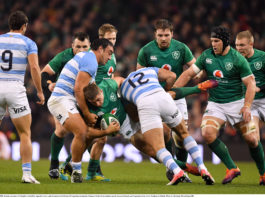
[
  {"x": 57, "y": 141},
  {"x": 249, "y": 133},
  {"x": 22, "y": 125},
  {"x": 94, "y": 162}
]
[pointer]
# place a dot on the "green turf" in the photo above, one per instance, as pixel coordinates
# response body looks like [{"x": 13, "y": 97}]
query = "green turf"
[{"x": 128, "y": 178}]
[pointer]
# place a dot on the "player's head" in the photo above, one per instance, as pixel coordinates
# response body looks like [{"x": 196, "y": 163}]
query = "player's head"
[
  {"x": 220, "y": 38},
  {"x": 18, "y": 21},
  {"x": 163, "y": 33},
  {"x": 94, "y": 95},
  {"x": 244, "y": 43},
  {"x": 80, "y": 42},
  {"x": 103, "y": 50},
  {"x": 109, "y": 32}
]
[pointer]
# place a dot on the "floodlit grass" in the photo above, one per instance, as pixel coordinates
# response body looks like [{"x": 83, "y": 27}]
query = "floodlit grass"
[{"x": 128, "y": 178}]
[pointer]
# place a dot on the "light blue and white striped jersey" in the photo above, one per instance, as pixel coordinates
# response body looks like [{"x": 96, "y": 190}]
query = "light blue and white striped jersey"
[
  {"x": 83, "y": 61},
  {"x": 14, "y": 51},
  {"x": 140, "y": 83}
]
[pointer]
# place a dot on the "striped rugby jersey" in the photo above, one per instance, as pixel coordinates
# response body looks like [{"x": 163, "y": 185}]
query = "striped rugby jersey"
[
  {"x": 140, "y": 83},
  {"x": 14, "y": 51},
  {"x": 83, "y": 61}
]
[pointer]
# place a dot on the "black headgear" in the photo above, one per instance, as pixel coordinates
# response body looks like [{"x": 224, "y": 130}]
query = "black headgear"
[{"x": 221, "y": 33}]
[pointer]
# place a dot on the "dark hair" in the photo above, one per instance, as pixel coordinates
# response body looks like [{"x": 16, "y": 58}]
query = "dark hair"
[
  {"x": 163, "y": 24},
  {"x": 91, "y": 91},
  {"x": 221, "y": 33},
  {"x": 16, "y": 20},
  {"x": 81, "y": 36},
  {"x": 100, "y": 42}
]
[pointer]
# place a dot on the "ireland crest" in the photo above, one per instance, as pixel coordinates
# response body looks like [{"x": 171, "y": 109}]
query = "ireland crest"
[
  {"x": 175, "y": 54},
  {"x": 258, "y": 65}
]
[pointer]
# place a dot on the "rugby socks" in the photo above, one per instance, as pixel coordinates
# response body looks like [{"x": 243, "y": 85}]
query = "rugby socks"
[
  {"x": 220, "y": 149},
  {"x": 181, "y": 92},
  {"x": 181, "y": 154},
  {"x": 181, "y": 164},
  {"x": 56, "y": 146},
  {"x": 92, "y": 167},
  {"x": 77, "y": 167},
  {"x": 165, "y": 157},
  {"x": 258, "y": 155},
  {"x": 169, "y": 146},
  {"x": 192, "y": 147},
  {"x": 26, "y": 168}
]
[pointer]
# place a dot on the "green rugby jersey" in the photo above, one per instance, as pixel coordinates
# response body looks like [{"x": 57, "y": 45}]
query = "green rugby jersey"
[
  {"x": 257, "y": 65},
  {"x": 106, "y": 71},
  {"x": 228, "y": 70},
  {"x": 172, "y": 58},
  {"x": 58, "y": 62},
  {"x": 112, "y": 104}
]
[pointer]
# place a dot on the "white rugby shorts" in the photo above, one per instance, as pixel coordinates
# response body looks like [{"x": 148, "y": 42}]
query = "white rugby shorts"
[
  {"x": 182, "y": 106},
  {"x": 129, "y": 128},
  {"x": 229, "y": 112},
  {"x": 60, "y": 107},
  {"x": 258, "y": 108},
  {"x": 13, "y": 97},
  {"x": 157, "y": 108}
]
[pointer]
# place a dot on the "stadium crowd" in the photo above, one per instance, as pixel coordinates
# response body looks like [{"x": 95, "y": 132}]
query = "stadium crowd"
[{"x": 53, "y": 22}]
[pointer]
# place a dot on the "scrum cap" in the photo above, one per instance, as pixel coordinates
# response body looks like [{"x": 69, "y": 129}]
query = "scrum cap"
[{"x": 221, "y": 33}]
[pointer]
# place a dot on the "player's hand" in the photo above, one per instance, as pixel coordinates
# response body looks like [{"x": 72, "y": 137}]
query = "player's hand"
[
  {"x": 172, "y": 94},
  {"x": 41, "y": 97},
  {"x": 91, "y": 119},
  {"x": 51, "y": 86},
  {"x": 112, "y": 128},
  {"x": 257, "y": 89},
  {"x": 246, "y": 113}
]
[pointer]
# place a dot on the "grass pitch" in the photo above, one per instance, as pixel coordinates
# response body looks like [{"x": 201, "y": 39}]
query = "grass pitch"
[{"x": 128, "y": 178}]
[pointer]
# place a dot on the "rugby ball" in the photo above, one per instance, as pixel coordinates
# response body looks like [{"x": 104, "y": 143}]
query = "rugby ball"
[{"x": 106, "y": 119}]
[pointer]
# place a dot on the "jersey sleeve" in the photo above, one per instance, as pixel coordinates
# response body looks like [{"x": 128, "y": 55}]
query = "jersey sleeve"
[
  {"x": 88, "y": 64},
  {"x": 200, "y": 61},
  {"x": 32, "y": 47},
  {"x": 244, "y": 68},
  {"x": 56, "y": 62},
  {"x": 188, "y": 54},
  {"x": 141, "y": 59}
]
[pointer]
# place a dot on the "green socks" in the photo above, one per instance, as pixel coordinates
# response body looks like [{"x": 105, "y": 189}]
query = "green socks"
[
  {"x": 258, "y": 155},
  {"x": 181, "y": 92},
  {"x": 56, "y": 146},
  {"x": 92, "y": 167},
  {"x": 181, "y": 154},
  {"x": 220, "y": 149}
]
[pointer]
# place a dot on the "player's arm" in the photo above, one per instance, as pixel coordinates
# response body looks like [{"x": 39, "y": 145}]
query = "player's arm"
[
  {"x": 119, "y": 80},
  {"x": 82, "y": 80},
  {"x": 250, "y": 84},
  {"x": 166, "y": 76},
  {"x": 47, "y": 78},
  {"x": 186, "y": 76},
  {"x": 36, "y": 77},
  {"x": 96, "y": 133}
]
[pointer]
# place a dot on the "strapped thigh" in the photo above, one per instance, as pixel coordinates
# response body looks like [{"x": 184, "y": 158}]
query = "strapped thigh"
[
  {"x": 247, "y": 128},
  {"x": 210, "y": 123}
]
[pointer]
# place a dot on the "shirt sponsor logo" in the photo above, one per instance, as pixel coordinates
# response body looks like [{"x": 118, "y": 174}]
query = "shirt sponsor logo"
[
  {"x": 176, "y": 55},
  {"x": 110, "y": 71},
  {"x": 228, "y": 66},
  {"x": 113, "y": 97},
  {"x": 209, "y": 61},
  {"x": 113, "y": 111},
  {"x": 258, "y": 65},
  {"x": 218, "y": 74},
  {"x": 166, "y": 66},
  {"x": 19, "y": 110},
  {"x": 153, "y": 58}
]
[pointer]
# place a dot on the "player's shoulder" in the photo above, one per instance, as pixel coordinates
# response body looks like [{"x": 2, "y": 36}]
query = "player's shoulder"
[
  {"x": 259, "y": 53},
  {"x": 150, "y": 45},
  {"x": 18, "y": 37}
]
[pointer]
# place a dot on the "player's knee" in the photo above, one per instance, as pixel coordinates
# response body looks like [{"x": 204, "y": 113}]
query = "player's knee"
[{"x": 102, "y": 141}]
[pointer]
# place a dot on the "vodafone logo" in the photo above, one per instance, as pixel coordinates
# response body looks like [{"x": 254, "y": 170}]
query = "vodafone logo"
[
  {"x": 218, "y": 74},
  {"x": 113, "y": 111},
  {"x": 110, "y": 71},
  {"x": 167, "y": 67}
]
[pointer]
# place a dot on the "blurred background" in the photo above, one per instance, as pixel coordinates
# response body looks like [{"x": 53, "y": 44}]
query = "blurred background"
[{"x": 53, "y": 22}]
